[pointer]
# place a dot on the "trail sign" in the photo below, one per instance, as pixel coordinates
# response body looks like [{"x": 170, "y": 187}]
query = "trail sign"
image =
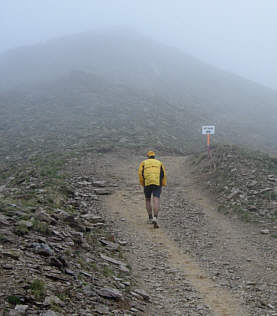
[{"x": 209, "y": 129}]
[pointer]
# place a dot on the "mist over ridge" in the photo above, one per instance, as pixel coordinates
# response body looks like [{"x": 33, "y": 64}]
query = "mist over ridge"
[{"x": 88, "y": 80}]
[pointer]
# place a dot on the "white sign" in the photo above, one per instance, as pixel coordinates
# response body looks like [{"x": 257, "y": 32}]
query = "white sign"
[{"x": 208, "y": 129}]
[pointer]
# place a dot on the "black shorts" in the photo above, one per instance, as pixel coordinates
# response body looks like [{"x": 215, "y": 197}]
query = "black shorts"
[{"x": 155, "y": 189}]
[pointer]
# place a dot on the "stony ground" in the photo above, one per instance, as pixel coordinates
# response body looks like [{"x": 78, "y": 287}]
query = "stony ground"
[
  {"x": 58, "y": 255},
  {"x": 199, "y": 262},
  {"x": 96, "y": 255}
]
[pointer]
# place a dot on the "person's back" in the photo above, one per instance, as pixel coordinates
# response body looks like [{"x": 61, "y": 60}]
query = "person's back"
[
  {"x": 152, "y": 177},
  {"x": 152, "y": 172}
]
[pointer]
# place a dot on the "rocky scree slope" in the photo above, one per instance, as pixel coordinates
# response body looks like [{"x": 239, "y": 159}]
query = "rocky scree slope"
[
  {"x": 84, "y": 110},
  {"x": 58, "y": 254},
  {"x": 243, "y": 181},
  {"x": 197, "y": 94}
]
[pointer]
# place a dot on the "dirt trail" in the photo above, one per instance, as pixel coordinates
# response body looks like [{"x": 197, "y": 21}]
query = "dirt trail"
[
  {"x": 199, "y": 262},
  {"x": 163, "y": 262},
  {"x": 218, "y": 299},
  {"x": 231, "y": 235}
]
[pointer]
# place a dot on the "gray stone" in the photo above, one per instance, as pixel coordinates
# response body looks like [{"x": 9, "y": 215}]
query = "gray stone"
[
  {"x": 49, "y": 313},
  {"x": 271, "y": 177},
  {"x": 58, "y": 262},
  {"x": 13, "y": 313},
  {"x": 112, "y": 260},
  {"x": 110, "y": 293},
  {"x": 77, "y": 237},
  {"x": 2, "y": 188},
  {"x": 84, "y": 183},
  {"x": 123, "y": 268},
  {"x": 70, "y": 272},
  {"x": 102, "y": 191},
  {"x": 89, "y": 291},
  {"x": 21, "y": 309},
  {"x": 75, "y": 223},
  {"x": 265, "y": 190},
  {"x": 99, "y": 183},
  {"x": 14, "y": 254},
  {"x": 142, "y": 293},
  {"x": 28, "y": 224},
  {"x": 233, "y": 194},
  {"x": 122, "y": 242},
  {"x": 93, "y": 219},
  {"x": 109, "y": 245},
  {"x": 3, "y": 220},
  {"x": 252, "y": 208},
  {"x": 252, "y": 184},
  {"x": 52, "y": 299},
  {"x": 42, "y": 249},
  {"x": 42, "y": 216},
  {"x": 102, "y": 309}
]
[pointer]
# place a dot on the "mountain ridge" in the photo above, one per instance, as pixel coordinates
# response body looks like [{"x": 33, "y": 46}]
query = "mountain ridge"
[{"x": 149, "y": 87}]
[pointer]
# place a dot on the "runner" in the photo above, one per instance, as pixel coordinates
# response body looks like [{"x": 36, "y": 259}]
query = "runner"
[{"x": 152, "y": 177}]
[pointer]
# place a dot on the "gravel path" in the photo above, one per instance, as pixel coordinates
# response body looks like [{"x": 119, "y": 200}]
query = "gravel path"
[{"x": 199, "y": 262}]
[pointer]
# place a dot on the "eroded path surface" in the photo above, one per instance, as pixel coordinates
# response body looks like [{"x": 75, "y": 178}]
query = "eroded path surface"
[{"x": 199, "y": 262}]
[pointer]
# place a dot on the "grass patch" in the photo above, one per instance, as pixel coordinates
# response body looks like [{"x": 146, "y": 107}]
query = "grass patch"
[
  {"x": 38, "y": 289},
  {"x": 242, "y": 213},
  {"x": 49, "y": 166},
  {"x": 2, "y": 238},
  {"x": 222, "y": 209},
  {"x": 21, "y": 230},
  {"x": 108, "y": 272},
  {"x": 245, "y": 216},
  {"x": 13, "y": 300},
  {"x": 56, "y": 308},
  {"x": 94, "y": 266},
  {"x": 41, "y": 227}
]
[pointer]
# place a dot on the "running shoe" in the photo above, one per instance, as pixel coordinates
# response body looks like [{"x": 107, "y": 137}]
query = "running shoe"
[{"x": 155, "y": 222}]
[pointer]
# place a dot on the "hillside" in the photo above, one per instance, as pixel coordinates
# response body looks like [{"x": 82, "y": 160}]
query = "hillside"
[
  {"x": 77, "y": 116},
  {"x": 83, "y": 110},
  {"x": 178, "y": 92},
  {"x": 242, "y": 181}
]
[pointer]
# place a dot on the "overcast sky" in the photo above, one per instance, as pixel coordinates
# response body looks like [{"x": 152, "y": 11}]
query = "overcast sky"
[{"x": 236, "y": 35}]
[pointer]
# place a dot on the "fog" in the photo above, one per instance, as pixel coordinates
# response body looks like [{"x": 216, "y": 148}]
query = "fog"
[{"x": 238, "y": 36}]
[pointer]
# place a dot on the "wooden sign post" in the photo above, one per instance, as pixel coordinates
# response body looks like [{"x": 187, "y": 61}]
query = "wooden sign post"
[{"x": 208, "y": 130}]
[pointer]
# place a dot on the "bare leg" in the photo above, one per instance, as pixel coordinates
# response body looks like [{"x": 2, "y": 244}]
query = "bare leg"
[
  {"x": 156, "y": 205},
  {"x": 148, "y": 207}
]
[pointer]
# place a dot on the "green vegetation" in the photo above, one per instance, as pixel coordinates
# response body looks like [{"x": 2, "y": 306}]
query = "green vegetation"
[
  {"x": 2, "y": 238},
  {"x": 41, "y": 227},
  {"x": 82, "y": 262},
  {"x": 108, "y": 271},
  {"x": 94, "y": 266},
  {"x": 68, "y": 252},
  {"x": 40, "y": 181},
  {"x": 270, "y": 195},
  {"x": 222, "y": 209},
  {"x": 21, "y": 229},
  {"x": 56, "y": 308},
  {"x": 13, "y": 300},
  {"x": 48, "y": 165},
  {"x": 38, "y": 289}
]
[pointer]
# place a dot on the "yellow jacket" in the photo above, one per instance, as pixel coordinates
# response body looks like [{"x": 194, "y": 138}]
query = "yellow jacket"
[{"x": 151, "y": 171}]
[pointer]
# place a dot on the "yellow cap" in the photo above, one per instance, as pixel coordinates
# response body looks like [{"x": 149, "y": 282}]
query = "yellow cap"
[{"x": 150, "y": 153}]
